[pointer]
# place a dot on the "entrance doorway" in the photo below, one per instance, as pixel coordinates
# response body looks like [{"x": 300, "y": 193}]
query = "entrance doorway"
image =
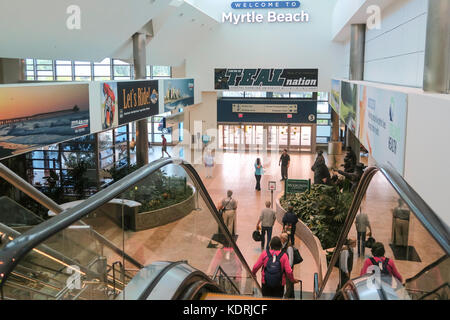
[{"x": 274, "y": 137}]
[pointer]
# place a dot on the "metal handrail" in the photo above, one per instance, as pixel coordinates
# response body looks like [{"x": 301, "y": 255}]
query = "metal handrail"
[
  {"x": 219, "y": 269},
  {"x": 432, "y": 223},
  {"x": 12, "y": 253}
]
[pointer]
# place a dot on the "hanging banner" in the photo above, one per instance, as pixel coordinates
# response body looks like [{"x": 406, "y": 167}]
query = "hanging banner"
[
  {"x": 35, "y": 116},
  {"x": 178, "y": 93},
  {"x": 137, "y": 100},
  {"x": 382, "y": 128},
  {"x": 335, "y": 97},
  {"x": 274, "y": 80},
  {"x": 348, "y": 105},
  {"x": 109, "y": 109}
]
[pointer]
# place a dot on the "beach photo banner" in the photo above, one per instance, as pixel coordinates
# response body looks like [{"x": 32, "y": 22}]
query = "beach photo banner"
[
  {"x": 178, "y": 93},
  {"x": 348, "y": 105},
  {"x": 137, "y": 100},
  {"x": 35, "y": 116},
  {"x": 382, "y": 128}
]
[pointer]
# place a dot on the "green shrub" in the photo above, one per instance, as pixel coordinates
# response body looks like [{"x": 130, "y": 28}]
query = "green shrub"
[{"x": 323, "y": 209}]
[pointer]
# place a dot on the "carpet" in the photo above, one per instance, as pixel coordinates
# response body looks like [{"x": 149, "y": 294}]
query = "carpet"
[{"x": 405, "y": 253}]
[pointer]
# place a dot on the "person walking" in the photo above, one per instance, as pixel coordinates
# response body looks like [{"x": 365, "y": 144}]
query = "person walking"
[
  {"x": 266, "y": 221},
  {"x": 229, "y": 206},
  {"x": 209, "y": 163},
  {"x": 290, "y": 220},
  {"x": 287, "y": 248},
  {"x": 400, "y": 228},
  {"x": 275, "y": 268},
  {"x": 386, "y": 265},
  {"x": 164, "y": 147},
  {"x": 285, "y": 161},
  {"x": 362, "y": 223},
  {"x": 346, "y": 262},
  {"x": 258, "y": 173}
]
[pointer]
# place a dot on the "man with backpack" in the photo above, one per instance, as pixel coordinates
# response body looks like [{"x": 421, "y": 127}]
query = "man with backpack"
[
  {"x": 386, "y": 265},
  {"x": 275, "y": 268}
]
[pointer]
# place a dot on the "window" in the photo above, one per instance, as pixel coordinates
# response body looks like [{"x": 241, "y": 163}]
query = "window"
[
  {"x": 233, "y": 94},
  {"x": 44, "y": 70},
  {"x": 323, "y": 107},
  {"x": 121, "y": 69},
  {"x": 161, "y": 72},
  {"x": 256, "y": 94},
  {"x": 305, "y": 95},
  {"x": 280, "y": 94},
  {"x": 102, "y": 70},
  {"x": 322, "y": 96}
]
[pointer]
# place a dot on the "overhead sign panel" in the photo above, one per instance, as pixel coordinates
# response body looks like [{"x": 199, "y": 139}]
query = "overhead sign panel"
[
  {"x": 178, "y": 93},
  {"x": 264, "y": 4},
  {"x": 275, "y": 80},
  {"x": 265, "y": 108}
]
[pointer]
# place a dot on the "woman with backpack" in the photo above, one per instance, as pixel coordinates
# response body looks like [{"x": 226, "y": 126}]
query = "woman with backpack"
[
  {"x": 386, "y": 265},
  {"x": 275, "y": 267}
]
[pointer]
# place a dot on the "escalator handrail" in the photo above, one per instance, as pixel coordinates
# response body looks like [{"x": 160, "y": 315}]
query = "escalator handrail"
[
  {"x": 353, "y": 210},
  {"x": 212, "y": 207},
  {"x": 432, "y": 223},
  {"x": 427, "y": 268},
  {"x": 15, "y": 250},
  {"x": 435, "y": 290}
]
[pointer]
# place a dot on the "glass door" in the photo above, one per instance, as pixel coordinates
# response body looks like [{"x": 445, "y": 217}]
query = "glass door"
[
  {"x": 283, "y": 136},
  {"x": 259, "y": 137},
  {"x": 294, "y": 138},
  {"x": 272, "y": 138},
  {"x": 306, "y": 139},
  {"x": 249, "y": 137}
]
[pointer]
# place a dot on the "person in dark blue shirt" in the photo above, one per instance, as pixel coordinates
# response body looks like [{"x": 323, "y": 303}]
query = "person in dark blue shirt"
[{"x": 290, "y": 220}]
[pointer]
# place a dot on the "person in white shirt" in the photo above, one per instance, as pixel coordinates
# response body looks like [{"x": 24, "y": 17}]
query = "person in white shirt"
[{"x": 362, "y": 223}]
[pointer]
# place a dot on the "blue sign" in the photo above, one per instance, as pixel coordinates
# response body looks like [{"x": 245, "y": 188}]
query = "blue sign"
[{"x": 265, "y": 4}]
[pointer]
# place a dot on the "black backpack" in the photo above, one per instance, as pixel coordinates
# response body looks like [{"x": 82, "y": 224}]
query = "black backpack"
[
  {"x": 273, "y": 273},
  {"x": 384, "y": 267}
]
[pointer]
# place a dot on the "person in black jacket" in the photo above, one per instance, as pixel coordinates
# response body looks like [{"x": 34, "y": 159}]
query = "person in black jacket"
[
  {"x": 355, "y": 176},
  {"x": 321, "y": 172},
  {"x": 290, "y": 220}
]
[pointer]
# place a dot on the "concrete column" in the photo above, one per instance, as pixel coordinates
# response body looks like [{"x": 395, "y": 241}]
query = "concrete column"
[
  {"x": 357, "y": 49},
  {"x": 436, "y": 77},
  {"x": 139, "y": 57}
]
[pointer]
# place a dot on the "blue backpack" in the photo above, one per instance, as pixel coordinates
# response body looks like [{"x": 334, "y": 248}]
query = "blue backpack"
[{"x": 273, "y": 273}]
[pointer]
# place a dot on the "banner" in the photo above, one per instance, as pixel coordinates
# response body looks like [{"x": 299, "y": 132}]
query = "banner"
[
  {"x": 178, "y": 93},
  {"x": 274, "y": 80},
  {"x": 335, "y": 97},
  {"x": 137, "y": 100},
  {"x": 109, "y": 107},
  {"x": 348, "y": 105},
  {"x": 40, "y": 115},
  {"x": 382, "y": 128}
]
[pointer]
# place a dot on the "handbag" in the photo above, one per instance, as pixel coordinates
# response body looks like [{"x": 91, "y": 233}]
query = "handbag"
[
  {"x": 297, "y": 256},
  {"x": 256, "y": 235},
  {"x": 222, "y": 210}
]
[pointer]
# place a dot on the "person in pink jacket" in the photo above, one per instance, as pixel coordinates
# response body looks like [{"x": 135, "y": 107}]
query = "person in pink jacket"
[
  {"x": 275, "y": 250},
  {"x": 378, "y": 257}
]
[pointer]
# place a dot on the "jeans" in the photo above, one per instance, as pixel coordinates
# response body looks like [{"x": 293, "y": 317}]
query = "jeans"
[
  {"x": 263, "y": 236},
  {"x": 258, "y": 180},
  {"x": 289, "y": 294},
  {"x": 292, "y": 235},
  {"x": 361, "y": 243},
  {"x": 284, "y": 172}
]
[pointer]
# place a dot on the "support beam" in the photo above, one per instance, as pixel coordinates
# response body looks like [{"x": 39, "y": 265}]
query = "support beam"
[
  {"x": 140, "y": 65},
  {"x": 436, "y": 77}
]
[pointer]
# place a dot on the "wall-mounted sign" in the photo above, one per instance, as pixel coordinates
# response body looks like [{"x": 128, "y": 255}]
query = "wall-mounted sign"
[
  {"x": 35, "y": 116},
  {"x": 382, "y": 127},
  {"x": 137, "y": 100},
  {"x": 274, "y": 80},
  {"x": 178, "y": 93},
  {"x": 296, "y": 186},
  {"x": 271, "y": 17},
  {"x": 265, "y": 108}
]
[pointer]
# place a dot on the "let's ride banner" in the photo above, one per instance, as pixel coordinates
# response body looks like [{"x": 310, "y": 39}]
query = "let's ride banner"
[{"x": 275, "y": 80}]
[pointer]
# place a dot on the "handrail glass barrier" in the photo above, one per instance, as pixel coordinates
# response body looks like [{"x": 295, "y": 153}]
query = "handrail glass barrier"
[
  {"x": 161, "y": 212},
  {"x": 413, "y": 237}
]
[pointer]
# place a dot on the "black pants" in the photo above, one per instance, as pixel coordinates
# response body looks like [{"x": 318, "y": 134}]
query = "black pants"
[
  {"x": 361, "y": 243},
  {"x": 258, "y": 180},
  {"x": 284, "y": 172},
  {"x": 263, "y": 236},
  {"x": 292, "y": 235},
  {"x": 276, "y": 292}
]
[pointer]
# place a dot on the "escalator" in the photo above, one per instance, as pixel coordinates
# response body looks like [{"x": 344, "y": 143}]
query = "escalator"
[
  {"x": 104, "y": 248},
  {"x": 412, "y": 234}
]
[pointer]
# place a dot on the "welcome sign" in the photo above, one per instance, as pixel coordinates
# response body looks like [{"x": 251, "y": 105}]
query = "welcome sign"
[
  {"x": 272, "y": 16},
  {"x": 275, "y": 80}
]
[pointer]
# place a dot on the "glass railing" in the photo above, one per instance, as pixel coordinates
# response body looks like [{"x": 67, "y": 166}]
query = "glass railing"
[
  {"x": 412, "y": 236},
  {"x": 161, "y": 212}
]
